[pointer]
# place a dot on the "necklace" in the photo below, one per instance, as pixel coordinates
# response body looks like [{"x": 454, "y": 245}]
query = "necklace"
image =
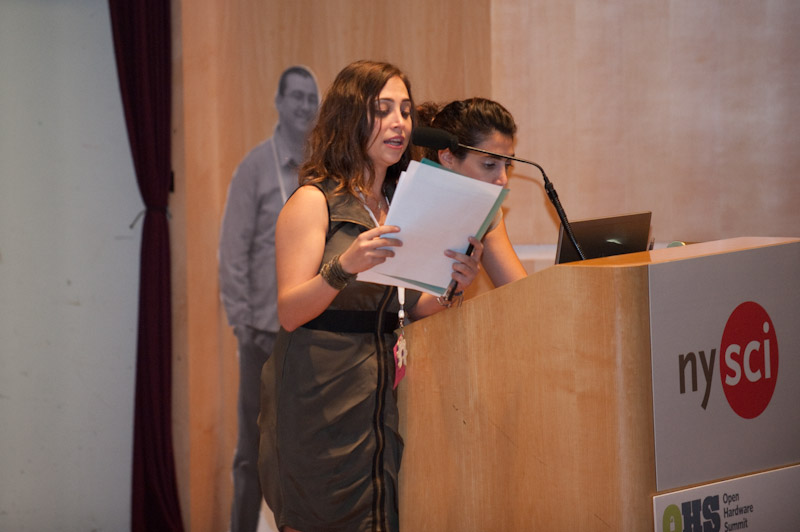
[
  {"x": 379, "y": 202},
  {"x": 374, "y": 213}
]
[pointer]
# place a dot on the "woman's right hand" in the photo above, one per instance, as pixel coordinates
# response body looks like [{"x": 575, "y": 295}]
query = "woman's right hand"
[{"x": 369, "y": 249}]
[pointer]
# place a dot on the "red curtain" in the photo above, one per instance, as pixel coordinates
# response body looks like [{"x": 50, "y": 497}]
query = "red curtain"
[{"x": 142, "y": 44}]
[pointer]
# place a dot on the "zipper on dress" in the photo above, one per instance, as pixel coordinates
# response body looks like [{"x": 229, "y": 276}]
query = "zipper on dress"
[{"x": 379, "y": 523}]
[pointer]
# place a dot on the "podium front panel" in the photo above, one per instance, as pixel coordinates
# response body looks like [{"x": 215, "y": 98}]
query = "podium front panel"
[{"x": 725, "y": 335}]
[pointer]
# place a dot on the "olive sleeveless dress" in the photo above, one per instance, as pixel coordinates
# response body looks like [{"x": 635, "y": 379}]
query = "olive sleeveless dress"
[{"x": 330, "y": 448}]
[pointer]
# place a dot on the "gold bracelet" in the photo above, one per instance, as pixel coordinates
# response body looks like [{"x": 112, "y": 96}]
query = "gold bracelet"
[{"x": 334, "y": 274}]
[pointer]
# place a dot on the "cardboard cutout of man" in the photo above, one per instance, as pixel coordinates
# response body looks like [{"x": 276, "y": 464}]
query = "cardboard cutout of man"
[{"x": 260, "y": 186}]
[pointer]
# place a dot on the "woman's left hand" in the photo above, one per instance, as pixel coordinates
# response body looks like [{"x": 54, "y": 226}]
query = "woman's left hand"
[{"x": 467, "y": 266}]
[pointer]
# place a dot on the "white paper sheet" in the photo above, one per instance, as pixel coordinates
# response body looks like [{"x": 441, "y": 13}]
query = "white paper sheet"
[{"x": 435, "y": 209}]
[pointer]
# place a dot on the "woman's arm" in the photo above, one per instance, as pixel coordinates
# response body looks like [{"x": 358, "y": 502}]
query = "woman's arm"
[
  {"x": 501, "y": 262},
  {"x": 299, "y": 245}
]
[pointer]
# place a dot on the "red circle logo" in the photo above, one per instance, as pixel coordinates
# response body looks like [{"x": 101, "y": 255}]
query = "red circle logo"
[{"x": 749, "y": 360}]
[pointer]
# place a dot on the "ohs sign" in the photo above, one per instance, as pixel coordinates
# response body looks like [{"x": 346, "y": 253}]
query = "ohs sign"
[{"x": 748, "y": 362}]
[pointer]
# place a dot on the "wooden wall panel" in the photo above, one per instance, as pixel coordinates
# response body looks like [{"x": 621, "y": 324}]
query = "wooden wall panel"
[
  {"x": 444, "y": 49},
  {"x": 205, "y": 358},
  {"x": 682, "y": 108}
]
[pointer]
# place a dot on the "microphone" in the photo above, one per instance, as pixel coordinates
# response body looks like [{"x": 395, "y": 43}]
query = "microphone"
[
  {"x": 439, "y": 139},
  {"x": 431, "y": 137}
]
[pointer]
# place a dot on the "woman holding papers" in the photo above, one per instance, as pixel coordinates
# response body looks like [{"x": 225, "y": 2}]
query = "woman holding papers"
[
  {"x": 487, "y": 125},
  {"x": 330, "y": 449}
]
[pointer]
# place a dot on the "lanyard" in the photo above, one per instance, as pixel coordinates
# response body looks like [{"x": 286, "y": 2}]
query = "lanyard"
[
  {"x": 278, "y": 171},
  {"x": 401, "y": 291}
]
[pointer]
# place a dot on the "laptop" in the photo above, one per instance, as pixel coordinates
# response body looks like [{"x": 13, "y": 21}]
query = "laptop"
[{"x": 605, "y": 237}]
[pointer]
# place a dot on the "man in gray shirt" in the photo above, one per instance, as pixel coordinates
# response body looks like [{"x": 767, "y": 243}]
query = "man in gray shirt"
[{"x": 260, "y": 186}]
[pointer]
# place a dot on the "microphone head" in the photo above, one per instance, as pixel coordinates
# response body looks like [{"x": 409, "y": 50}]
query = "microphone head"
[{"x": 431, "y": 137}]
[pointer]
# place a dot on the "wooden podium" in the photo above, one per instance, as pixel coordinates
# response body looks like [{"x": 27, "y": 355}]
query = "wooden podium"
[{"x": 531, "y": 406}]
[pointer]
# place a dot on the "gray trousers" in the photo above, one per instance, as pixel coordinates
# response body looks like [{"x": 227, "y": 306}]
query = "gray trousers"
[{"x": 254, "y": 350}]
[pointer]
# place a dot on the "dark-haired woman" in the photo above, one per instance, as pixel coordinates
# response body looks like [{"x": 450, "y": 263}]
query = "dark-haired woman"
[{"x": 484, "y": 124}]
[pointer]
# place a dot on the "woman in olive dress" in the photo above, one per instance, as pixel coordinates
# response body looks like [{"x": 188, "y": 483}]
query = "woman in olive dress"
[{"x": 330, "y": 449}]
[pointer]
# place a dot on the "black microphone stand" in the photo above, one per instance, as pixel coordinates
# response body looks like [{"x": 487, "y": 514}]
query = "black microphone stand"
[{"x": 551, "y": 193}]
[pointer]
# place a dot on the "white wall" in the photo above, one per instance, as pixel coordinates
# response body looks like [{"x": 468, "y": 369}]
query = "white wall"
[{"x": 68, "y": 271}]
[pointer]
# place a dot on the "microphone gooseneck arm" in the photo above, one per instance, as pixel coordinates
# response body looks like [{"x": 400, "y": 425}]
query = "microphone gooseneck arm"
[{"x": 548, "y": 187}]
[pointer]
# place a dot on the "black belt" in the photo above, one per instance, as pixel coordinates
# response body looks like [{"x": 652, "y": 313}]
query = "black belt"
[{"x": 352, "y": 321}]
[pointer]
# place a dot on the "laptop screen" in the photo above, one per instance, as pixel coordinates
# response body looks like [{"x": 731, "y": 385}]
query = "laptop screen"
[{"x": 605, "y": 237}]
